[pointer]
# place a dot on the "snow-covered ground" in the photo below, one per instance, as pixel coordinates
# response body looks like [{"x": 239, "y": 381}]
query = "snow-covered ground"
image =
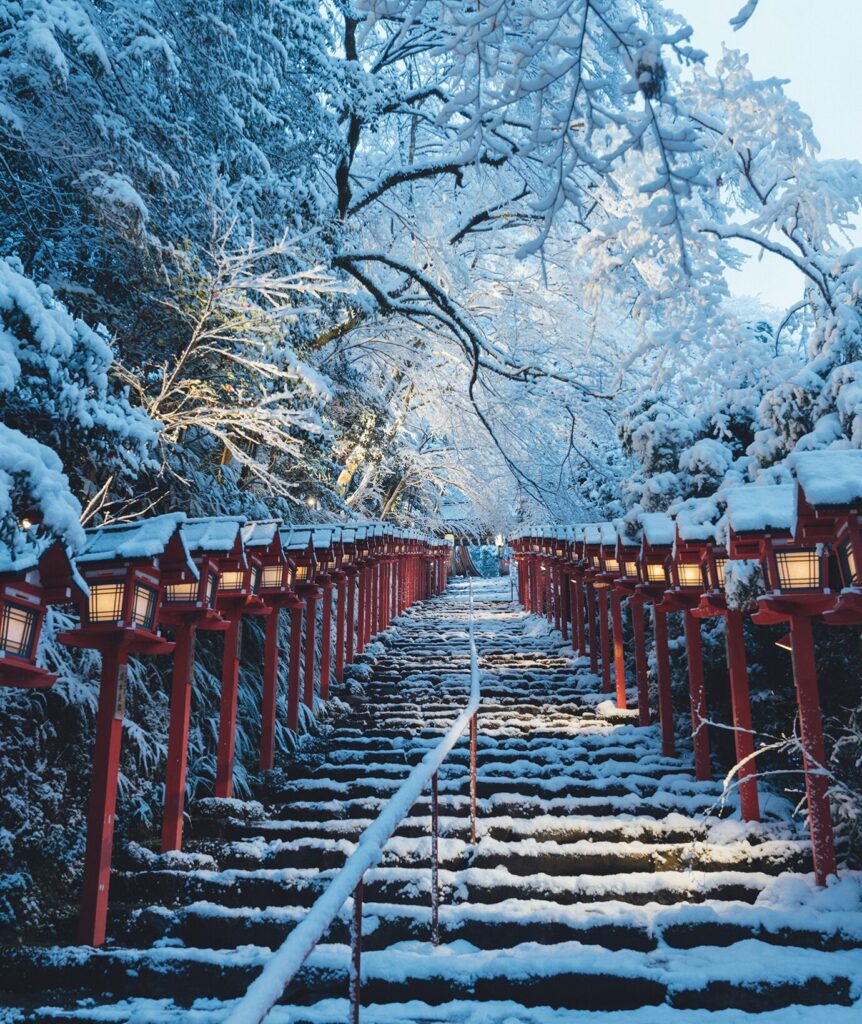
[{"x": 606, "y": 885}]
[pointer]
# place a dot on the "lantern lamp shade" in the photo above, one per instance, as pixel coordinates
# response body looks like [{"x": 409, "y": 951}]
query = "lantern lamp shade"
[
  {"x": 272, "y": 576},
  {"x": 232, "y": 580},
  {"x": 689, "y": 574},
  {"x": 18, "y": 626},
  {"x": 655, "y": 572},
  {"x": 144, "y": 603},
  {"x": 795, "y": 569},
  {"x": 181, "y": 593},
  {"x": 106, "y": 602},
  {"x": 848, "y": 563}
]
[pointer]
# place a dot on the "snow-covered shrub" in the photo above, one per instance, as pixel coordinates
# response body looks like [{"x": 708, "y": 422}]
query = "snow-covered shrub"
[{"x": 67, "y": 429}]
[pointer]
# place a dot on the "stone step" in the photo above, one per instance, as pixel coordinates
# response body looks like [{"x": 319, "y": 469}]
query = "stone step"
[
  {"x": 612, "y": 925},
  {"x": 752, "y": 976}
]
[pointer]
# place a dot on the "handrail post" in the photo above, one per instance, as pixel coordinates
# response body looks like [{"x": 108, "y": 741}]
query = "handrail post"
[
  {"x": 473, "y": 779},
  {"x": 355, "y": 985},
  {"x": 435, "y": 864}
]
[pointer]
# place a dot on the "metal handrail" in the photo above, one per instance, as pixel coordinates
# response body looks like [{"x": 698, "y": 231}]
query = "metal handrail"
[{"x": 283, "y": 965}]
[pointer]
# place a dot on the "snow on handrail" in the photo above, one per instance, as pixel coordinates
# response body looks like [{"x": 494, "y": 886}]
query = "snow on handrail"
[{"x": 281, "y": 967}]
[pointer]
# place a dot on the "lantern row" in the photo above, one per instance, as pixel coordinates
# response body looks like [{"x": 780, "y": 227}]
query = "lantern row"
[
  {"x": 131, "y": 580},
  {"x": 799, "y": 545}
]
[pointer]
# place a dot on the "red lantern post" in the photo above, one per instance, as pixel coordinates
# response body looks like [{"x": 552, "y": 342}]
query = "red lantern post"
[
  {"x": 189, "y": 604},
  {"x": 328, "y": 560},
  {"x": 624, "y": 587},
  {"x": 275, "y": 588},
  {"x": 656, "y": 547},
  {"x": 796, "y": 578},
  {"x": 301, "y": 549},
  {"x": 122, "y": 566},
  {"x": 237, "y": 595},
  {"x": 693, "y": 531}
]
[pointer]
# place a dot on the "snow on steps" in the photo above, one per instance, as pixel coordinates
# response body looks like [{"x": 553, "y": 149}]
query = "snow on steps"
[{"x": 606, "y": 880}]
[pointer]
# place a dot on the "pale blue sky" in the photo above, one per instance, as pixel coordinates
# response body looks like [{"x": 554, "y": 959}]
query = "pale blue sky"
[{"x": 814, "y": 43}]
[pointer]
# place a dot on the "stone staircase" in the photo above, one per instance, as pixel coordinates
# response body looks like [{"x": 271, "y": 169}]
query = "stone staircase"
[{"x": 605, "y": 880}]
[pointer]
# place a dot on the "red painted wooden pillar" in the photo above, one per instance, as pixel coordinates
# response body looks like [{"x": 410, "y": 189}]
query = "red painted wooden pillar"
[
  {"x": 665, "y": 704},
  {"x": 740, "y": 701},
  {"x": 697, "y": 697},
  {"x": 227, "y": 711},
  {"x": 178, "y": 736},
  {"x": 383, "y": 597},
  {"x": 546, "y": 593},
  {"x": 103, "y": 796},
  {"x": 591, "y": 616},
  {"x": 294, "y": 666},
  {"x": 813, "y": 750},
  {"x": 360, "y": 611},
  {"x": 535, "y": 607},
  {"x": 270, "y": 690},
  {"x": 369, "y": 602},
  {"x": 605, "y": 640},
  {"x": 619, "y": 648},
  {"x": 340, "y": 627},
  {"x": 373, "y": 592},
  {"x": 579, "y": 630},
  {"x": 641, "y": 664},
  {"x": 310, "y": 648},
  {"x": 350, "y": 635},
  {"x": 565, "y": 603},
  {"x": 326, "y": 640},
  {"x": 555, "y": 580}
]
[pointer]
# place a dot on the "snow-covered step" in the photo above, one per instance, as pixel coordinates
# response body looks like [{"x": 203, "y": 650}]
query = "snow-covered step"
[{"x": 750, "y": 975}]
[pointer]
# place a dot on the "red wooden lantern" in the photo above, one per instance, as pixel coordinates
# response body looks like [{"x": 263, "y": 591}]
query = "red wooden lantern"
[
  {"x": 759, "y": 526},
  {"x": 236, "y": 595},
  {"x": 625, "y": 585},
  {"x": 694, "y": 532},
  {"x": 327, "y": 561},
  {"x": 655, "y": 557},
  {"x": 189, "y": 604},
  {"x": 577, "y": 572},
  {"x": 339, "y": 578},
  {"x": 30, "y": 582},
  {"x": 122, "y": 566},
  {"x": 263, "y": 541},
  {"x": 301, "y": 549},
  {"x": 600, "y": 540},
  {"x": 350, "y": 543},
  {"x": 829, "y": 512}
]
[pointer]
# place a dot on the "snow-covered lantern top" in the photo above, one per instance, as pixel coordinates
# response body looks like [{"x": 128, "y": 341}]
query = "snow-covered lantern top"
[
  {"x": 560, "y": 543},
  {"x": 829, "y": 506},
  {"x": 363, "y": 542},
  {"x": 193, "y": 597},
  {"x": 578, "y": 543},
  {"x": 829, "y": 513},
  {"x": 694, "y": 537},
  {"x": 263, "y": 540},
  {"x": 593, "y": 546},
  {"x": 628, "y": 547},
  {"x": 324, "y": 549},
  {"x": 29, "y": 582},
  {"x": 126, "y": 567},
  {"x": 300, "y": 549},
  {"x": 349, "y": 546},
  {"x": 656, "y": 550},
  {"x": 760, "y": 524},
  {"x": 239, "y": 570},
  {"x": 609, "y": 562}
]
